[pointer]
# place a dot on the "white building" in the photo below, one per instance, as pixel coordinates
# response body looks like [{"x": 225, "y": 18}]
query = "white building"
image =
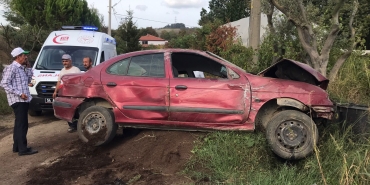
[
  {"x": 242, "y": 27},
  {"x": 148, "y": 39}
]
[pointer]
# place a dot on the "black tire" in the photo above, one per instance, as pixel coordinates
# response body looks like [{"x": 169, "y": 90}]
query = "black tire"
[
  {"x": 34, "y": 112},
  {"x": 96, "y": 126},
  {"x": 292, "y": 135}
]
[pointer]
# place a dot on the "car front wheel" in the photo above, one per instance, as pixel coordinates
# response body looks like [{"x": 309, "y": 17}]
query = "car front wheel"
[
  {"x": 96, "y": 126},
  {"x": 292, "y": 134}
]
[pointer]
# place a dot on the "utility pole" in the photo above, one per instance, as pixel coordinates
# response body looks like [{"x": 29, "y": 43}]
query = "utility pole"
[
  {"x": 254, "y": 27},
  {"x": 110, "y": 17}
]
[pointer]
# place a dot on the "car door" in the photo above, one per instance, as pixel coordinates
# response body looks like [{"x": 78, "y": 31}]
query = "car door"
[
  {"x": 138, "y": 86},
  {"x": 210, "y": 98}
]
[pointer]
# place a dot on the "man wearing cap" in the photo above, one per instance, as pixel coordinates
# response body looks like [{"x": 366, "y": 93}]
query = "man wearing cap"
[
  {"x": 68, "y": 69},
  {"x": 16, "y": 78}
]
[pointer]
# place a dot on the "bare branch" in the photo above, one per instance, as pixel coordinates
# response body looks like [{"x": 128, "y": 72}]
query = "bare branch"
[
  {"x": 270, "y": 24},
  {"x": 285, "y": 12},
  {"x": 343, "y": 58},
  {"x": 36, "y": 38},
  {"x": 6, "y": 35},
  {"x": 302, "y": 38},
  {"x": 269, "y": 15},
  {"x": 303, "y": 11},
  {"x": 308, "y": 25},
  {"x": 311, "y": 51},
  {"x": 333, "y": 31}
]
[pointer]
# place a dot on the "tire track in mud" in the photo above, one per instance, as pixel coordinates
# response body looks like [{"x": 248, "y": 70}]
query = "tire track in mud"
[{"x": 134, "y": 157}]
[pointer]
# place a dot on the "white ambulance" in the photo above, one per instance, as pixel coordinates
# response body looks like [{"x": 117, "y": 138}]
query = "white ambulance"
[{"x": 77, "y": 41}]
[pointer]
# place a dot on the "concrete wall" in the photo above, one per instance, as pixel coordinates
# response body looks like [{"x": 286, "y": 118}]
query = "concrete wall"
[
  {"x": 156, "y": 43},
  {"x": 242, "y": 26}
]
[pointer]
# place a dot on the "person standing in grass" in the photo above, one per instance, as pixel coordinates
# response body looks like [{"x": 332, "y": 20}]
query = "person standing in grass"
[{"x": 15, "y": 81}]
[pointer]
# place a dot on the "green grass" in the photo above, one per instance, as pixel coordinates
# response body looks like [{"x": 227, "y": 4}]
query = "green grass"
[
  {"x": 353, "y": 81},
  {"x": 4, "y": 106},
  {"x": 245, "y": 158}
]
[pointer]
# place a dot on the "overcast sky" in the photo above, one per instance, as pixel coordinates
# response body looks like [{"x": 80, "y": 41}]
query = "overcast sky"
[{"x": 154, "y": 13}]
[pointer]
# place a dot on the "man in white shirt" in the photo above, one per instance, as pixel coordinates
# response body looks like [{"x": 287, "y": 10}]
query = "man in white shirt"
[{"x": 68, "y": 69}]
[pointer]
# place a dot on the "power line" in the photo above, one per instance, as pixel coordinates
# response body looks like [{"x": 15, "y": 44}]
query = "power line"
[
  {"x": 125, "y": 16},
  {"x": 115, "y": 12}
]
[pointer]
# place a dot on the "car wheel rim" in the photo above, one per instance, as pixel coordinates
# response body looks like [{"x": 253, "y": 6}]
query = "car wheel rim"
[
  {"x": 94, "y": 122},
  {"x": 291, "y": 134}
]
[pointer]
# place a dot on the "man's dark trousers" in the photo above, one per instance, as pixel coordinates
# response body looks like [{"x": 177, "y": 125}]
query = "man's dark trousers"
[{"x": 20, "y": 126}]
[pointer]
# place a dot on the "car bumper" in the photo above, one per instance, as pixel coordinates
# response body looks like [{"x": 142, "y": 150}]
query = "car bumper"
[
  {"x": 39, "y": 104},
  {"x": 323, "y": 112},
  {"x": 65, "y": 107}
]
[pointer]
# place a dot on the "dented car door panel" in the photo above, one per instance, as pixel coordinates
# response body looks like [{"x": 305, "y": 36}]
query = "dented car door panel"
[
  {"x": 138, "y": 97},
  {"x": 205, "y": 100}
]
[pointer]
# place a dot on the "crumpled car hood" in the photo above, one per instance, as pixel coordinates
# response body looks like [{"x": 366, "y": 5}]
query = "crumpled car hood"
[{"x": 296, "y": 71}]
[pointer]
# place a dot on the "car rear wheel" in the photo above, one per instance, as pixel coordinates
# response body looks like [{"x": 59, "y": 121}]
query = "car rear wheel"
[
  {"x": 96, "y": 126},
  {"x": 292, "y": 134}
]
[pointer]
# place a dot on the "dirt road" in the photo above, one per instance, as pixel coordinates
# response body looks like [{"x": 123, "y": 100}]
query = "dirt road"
[{"x": 133, "y": 157}]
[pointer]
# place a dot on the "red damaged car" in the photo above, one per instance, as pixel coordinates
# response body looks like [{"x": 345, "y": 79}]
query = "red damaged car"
[{"x": 196, "y": 90}]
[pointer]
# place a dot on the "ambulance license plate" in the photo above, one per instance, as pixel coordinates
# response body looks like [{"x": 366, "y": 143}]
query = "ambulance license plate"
[{"x": 48, "y": 100}]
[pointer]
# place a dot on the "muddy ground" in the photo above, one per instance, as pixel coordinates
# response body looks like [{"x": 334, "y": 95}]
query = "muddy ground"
[{"x": 133, "y": 157}]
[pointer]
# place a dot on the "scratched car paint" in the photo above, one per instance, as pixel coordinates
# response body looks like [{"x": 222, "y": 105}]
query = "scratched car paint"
[{"x": 162, "y": 89}]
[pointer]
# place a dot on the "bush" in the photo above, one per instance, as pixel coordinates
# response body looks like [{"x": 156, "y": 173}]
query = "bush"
[
  {"x": 4, "y": 106},
  {"x": 352, "y": 84},
  {"x": 239, "y": 55}
]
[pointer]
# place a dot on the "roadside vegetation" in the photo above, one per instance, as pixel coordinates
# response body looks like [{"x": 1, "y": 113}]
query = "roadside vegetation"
[
  {"x": 4, "y": 106},
  {"x": 245, "y": 158},
  {"x": 353, "y": 81},
  {"x": 341, "y": 157}
]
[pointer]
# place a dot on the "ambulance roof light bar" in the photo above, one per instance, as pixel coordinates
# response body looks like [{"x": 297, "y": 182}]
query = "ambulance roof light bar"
[{"x": 90, "y": 28}]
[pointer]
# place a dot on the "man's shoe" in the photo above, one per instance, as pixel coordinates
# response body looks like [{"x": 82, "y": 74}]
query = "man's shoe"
[
  {"x": 28, "y": 152},
  {"x": 16, "y": 150},
  {"x": 72, "y": 129}
]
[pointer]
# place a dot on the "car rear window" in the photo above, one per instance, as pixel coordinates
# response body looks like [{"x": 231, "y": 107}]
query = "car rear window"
[{"x": 119, "y": 68}]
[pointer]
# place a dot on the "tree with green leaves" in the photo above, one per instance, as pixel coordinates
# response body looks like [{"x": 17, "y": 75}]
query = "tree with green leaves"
[
  {"x": 127, "y": 35},
  {"x": 318, "y": 33},
  {"x": 175, "y": 25},
  {"x": 225, "y": 11},
  {"x": 168, "y": 35},
  {"x": 148, "y": 30},
  {"x": 52, "y": 14}
]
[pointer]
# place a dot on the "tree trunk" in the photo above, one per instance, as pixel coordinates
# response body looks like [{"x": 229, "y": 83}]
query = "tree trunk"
[{"x": 275, "y": 44}]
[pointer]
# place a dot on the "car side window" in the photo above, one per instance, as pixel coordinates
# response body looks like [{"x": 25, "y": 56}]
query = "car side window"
[
  {"x": 232, "y": 74},
  {"x": 119, "y": 68},
  {"x": 102, "y": 57},
  {"x": 147, "y": 65}
]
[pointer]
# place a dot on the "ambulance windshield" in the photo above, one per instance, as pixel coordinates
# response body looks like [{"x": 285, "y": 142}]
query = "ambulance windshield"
[{"x": 51, "y": 56}]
